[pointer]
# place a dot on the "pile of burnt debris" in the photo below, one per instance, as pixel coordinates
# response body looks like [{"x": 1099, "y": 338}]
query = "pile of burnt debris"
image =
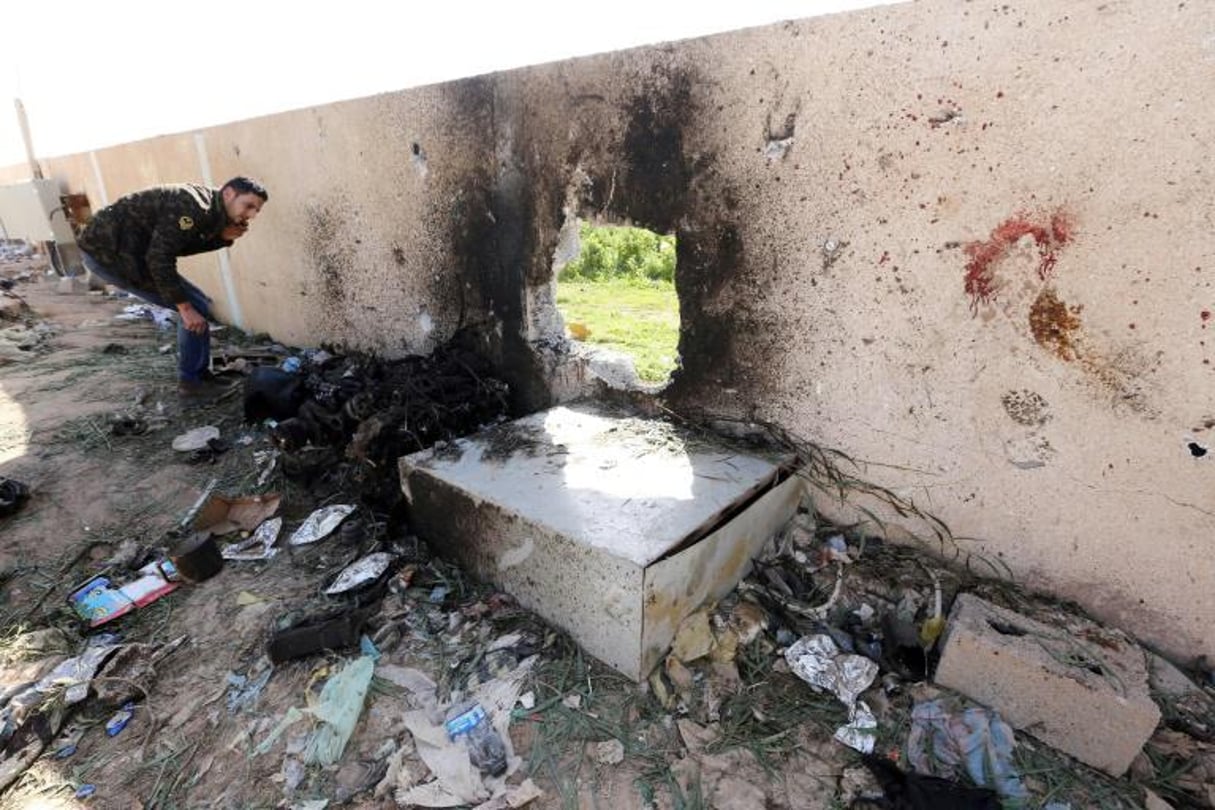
[{"x": 342, "y": 422}]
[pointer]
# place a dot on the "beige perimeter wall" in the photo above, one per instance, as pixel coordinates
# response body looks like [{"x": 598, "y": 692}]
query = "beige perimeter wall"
[{"x": 970, "y": 243}]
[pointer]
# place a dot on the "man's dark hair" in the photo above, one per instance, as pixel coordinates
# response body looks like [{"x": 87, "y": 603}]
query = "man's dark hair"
[{"x": 247, "y": 185}]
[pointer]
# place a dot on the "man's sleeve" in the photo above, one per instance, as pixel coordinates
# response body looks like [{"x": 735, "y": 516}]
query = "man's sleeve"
[
  {"x": 163, "y": 251},
  {"x": 207, "y": 245}
]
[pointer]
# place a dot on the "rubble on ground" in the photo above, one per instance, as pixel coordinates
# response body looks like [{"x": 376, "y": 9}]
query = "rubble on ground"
[{"x": 350, "y": 651}]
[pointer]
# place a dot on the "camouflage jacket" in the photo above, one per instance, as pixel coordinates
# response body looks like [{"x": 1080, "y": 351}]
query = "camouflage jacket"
[{"x": 140, "y": 236}]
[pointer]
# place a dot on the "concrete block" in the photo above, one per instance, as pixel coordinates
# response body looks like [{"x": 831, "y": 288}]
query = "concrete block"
[
  {"x": 612, "y": 527},
  {"x": 1078, "y": 688}
]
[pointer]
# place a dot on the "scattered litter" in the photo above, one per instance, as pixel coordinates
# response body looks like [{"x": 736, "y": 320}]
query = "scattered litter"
[
  {"x": 196, "y": 558},
  {"x": 818, "y": 662},
  {"x": 438, "y": 594},
  {"x": 68, "y": 743},
  {"x": 316, "y": 633},
  {"x": 246, "y": 598},
  {"x": 609, "y": 752},
  {"x": 468, "y": 722},
  {"x": 195, "y": 439},
  {"x": 244, "y": 690},
  {"x": 694, "y": 638},
  {"x": 943, "y": 739},
  {"x": 266, "y": 461},
  {"x": 98, "y": 600},
  {"x": 130, "y": 673},
  {"x": 128, "y": 424},
  {"x": 526, "y": 793},
  {"x": 416, "y": 682},
  {"x": 207, "y": 455},
  {"x": 258, "y": 546},
  {"x": 162, "y": 317},
  {"x": 128, "y": 553},
  {"x": 193, "y": 511},
  {"x": 320, "y": 524},
  {"x": 913, "y": 791},
  {"x": 456, "y": 781},
  {"x": 337, "y": 710},
  {"x": 221, "y": 515},
  {"x": 119, "y": 721},
  {"x": 860, "y": 733},
  {"x": 85, "y": 791},
  {"x": 271, "y": 393},
  {"x": 367, "y": 570},
  {"x": 13, "y": 495}
]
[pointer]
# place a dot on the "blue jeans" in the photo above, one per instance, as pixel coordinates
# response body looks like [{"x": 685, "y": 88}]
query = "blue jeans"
[{"x": 193, "y": 348}]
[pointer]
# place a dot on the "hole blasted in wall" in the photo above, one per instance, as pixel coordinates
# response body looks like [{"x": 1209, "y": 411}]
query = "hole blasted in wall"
[{"x": 612, "y": 302}]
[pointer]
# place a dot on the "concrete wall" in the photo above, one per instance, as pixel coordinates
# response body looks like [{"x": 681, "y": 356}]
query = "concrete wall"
[{"x": 968, "y": 243}]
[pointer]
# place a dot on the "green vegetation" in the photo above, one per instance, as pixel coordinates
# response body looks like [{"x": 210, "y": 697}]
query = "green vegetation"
[
  {"x": 621, "y": 253},
  {"x": 619, "y": 293}
]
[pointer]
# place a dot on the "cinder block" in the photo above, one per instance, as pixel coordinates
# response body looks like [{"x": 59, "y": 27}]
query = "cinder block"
[{"x": 1080, "y": 689}]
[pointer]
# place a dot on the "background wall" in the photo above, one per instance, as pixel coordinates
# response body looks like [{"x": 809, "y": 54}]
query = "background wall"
[{"x": 969, "y": 244}]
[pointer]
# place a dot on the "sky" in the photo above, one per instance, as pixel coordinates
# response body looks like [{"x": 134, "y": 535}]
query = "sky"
[{"x": 93, "y": 73}]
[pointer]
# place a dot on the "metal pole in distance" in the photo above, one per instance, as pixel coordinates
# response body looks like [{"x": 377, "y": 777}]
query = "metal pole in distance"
[{"x": 24, "y": 123}]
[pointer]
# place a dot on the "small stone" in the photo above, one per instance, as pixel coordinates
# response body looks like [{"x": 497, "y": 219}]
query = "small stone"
[{"x": 609, "y": 752}]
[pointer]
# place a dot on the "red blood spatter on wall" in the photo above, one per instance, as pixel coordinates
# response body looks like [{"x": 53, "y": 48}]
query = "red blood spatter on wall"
[
  {"x": 1205, "y": 315},
  {"x": 1049, "y": 233}
]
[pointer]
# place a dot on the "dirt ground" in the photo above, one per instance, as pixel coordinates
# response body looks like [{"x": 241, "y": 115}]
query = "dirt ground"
[
  {"x": 739, "y": 733},
  {"x": 91, "y": 490}
]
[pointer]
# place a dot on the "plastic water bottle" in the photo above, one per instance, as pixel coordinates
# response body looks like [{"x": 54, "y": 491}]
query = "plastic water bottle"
[
  {"x": 291, "y": 364},
  {"x": 468, "y": 721}
]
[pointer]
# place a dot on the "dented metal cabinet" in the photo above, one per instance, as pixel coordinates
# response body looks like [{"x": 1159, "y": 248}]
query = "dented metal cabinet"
[{"x": 610, "y": 526}]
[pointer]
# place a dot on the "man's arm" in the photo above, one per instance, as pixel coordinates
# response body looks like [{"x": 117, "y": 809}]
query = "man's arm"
[{"x": 162, "y": 266}]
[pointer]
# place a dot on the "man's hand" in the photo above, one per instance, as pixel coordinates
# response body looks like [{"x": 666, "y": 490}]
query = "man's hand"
[
  {"x": 191, "y": 319},
  {"x": 234, "y": 231}
]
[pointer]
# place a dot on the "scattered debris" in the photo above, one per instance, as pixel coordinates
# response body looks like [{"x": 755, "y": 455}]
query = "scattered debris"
[
  {"x": 320, "y": 524},
  {"x": 468, "y": 723},
  {"x": 259, "y": 545},
  {"x": 363, "y": 572},
  {"x": 693, "y": 638},
  {"x": 99, "y": 601},
  {"x": 913, "y": 791},
  {"x": 162, "y": 317},
  {"x": 305, "y": 635},
  {"x": 818, "y": 662},
  {"x": 196, "y": 558},
  {"x": 195, "y": 439},
  {"x": 119, "y": 721},
  {"x": 244, "y": 690},
  {"x": 13, "y": 495},
  {"x": 945, "y": 738},
  {"x": 337, "y": 710},
  {"x": 221, "y": 515}
]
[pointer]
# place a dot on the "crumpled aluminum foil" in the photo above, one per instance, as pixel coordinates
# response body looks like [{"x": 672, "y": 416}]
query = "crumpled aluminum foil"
[
  {"x": 320, "y": 523},
  {"x": 361, "y": 572}
]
